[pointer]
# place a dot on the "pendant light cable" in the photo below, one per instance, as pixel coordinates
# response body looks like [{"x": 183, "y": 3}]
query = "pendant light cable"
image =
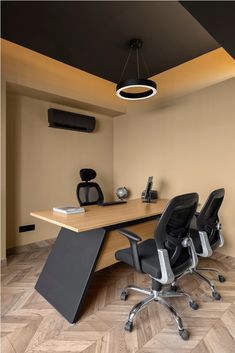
[
  {"x": 145, "y": 64},
  {"x": 125, "y": 65},
  {"x": 138, "y": 64}
]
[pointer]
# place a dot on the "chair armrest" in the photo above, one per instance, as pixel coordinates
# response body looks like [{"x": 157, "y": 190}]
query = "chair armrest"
[
  {"x": 206, "y": 248},
  {"x": 188, "y": 242},
  {"x": 133, "y": 239},
  {"x": 218, "y": 226},
  {"x": 130, "y": 235},
  {"x": 167, "y": 275}
]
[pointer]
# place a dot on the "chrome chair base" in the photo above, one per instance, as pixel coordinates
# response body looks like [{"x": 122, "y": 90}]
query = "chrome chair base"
[
  {"x": 158, "y": 296},
  {"x": 221, "y": 278},
  {"x": 196, "y": 272}
]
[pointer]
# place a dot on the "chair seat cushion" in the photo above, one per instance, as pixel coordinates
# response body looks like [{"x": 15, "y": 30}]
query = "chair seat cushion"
[{"x": 149, "y": 259}]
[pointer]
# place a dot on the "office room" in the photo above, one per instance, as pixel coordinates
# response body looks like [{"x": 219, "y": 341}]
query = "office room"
[{"x": 117, "y": 176}]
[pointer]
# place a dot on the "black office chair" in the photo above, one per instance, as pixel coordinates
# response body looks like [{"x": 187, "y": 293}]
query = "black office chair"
[
  {"x": 206, "y": 235},
  {"x": 89, "y": 193},
  {"x": 168, "y": 255}
]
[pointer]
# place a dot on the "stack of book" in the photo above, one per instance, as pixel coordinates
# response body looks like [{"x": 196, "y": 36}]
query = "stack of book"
[{"x": 69, "y": 209}]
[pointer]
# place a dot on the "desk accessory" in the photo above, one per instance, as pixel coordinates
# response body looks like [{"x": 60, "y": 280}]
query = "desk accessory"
[
  {"x": 111, "y": 203},
  {"x": 69, "y": 210},
  {"x": 153, "y": 194},
  {"x": 122, "y": 192},
  {"x": 148, "y": 194}
]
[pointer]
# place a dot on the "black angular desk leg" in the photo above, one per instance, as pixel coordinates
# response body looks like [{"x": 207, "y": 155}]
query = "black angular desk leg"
[{"x": 65, "y": 277}]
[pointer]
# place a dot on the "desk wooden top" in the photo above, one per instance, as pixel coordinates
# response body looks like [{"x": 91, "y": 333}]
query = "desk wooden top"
[{"x": 103, "y": 216}]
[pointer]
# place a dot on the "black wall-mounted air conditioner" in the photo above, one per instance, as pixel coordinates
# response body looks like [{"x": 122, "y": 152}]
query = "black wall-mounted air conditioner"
[{"x": 70, "y": 121}]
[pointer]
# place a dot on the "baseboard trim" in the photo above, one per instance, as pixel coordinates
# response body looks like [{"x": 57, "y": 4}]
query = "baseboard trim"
[{"x": 30, "y": 247}]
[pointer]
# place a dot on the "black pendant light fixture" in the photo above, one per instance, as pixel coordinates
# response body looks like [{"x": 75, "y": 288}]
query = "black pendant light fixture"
[{"x": 136, "y": 88}]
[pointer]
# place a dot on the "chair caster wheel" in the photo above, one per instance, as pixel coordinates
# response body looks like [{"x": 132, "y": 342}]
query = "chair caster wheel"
[
  {"x": 184, "y": 334},
  {"x": 129, "y": 326},
  {"x": 194, "y": 305},
  {"x": 216, "y": 295},
  {"x": 221, "y": 279},
  {"x": 123, "y": 296},
  {"x": 174, "y": 288}
]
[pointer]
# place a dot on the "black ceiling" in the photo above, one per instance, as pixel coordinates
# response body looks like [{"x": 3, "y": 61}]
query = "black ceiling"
[
  {"x": 93, "y": 35},
  {"x": 218, "y": 18}
]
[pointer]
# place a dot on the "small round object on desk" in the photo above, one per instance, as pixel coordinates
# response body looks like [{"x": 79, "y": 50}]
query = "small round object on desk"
[{"x": 122, "y": 193}]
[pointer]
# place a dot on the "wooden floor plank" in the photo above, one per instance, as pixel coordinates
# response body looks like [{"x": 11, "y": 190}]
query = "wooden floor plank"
[
  {"x": 219, "y": 339},
  {"x": 31, "y": 325}
]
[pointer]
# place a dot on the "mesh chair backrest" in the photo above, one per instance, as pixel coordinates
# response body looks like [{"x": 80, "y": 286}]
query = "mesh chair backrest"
[
  {"x": 208, "y": 217},
  {"x": 174, "y": 225},
  {"x": 89, "y": 193}
]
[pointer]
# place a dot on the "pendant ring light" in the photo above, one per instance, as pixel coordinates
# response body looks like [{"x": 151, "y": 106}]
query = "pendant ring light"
[{"x": 148, "y": 88}]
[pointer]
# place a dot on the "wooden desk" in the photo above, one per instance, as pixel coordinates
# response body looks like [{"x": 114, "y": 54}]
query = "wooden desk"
[{"x": 87, "y": 243}]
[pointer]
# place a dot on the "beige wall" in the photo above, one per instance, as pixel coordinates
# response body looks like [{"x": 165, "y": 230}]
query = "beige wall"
[
  {"x": 187, "y": 145},
  {"x": 39, "y": 76},
  {"x": 43, "y": 164}
]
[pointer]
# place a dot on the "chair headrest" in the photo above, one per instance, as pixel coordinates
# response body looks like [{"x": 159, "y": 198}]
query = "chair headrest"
[{"x": 87, "y": 174}]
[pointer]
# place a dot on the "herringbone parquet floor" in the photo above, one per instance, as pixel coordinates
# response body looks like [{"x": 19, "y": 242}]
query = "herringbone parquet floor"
[{"x": 31, "y": 325}]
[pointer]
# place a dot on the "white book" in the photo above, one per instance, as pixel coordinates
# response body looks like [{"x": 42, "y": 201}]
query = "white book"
[{"x": 69, "y": 209}]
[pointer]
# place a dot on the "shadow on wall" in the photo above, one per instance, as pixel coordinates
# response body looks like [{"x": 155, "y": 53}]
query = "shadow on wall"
[
  {"x": 160, "y": 104},
  {"x": 163, "y": 188},
  {"x": 13, "y": 168},
  {"x": 163, "y": 103}
]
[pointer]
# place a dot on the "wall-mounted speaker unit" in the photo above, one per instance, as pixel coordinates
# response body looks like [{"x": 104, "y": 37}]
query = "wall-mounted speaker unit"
[{"x": 61, "y": 119}]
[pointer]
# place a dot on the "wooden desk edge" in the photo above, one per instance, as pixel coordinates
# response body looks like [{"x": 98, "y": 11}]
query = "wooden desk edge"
[
  {"x": 59, "y": 224},
  {"x": 83, "y": 228}
]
